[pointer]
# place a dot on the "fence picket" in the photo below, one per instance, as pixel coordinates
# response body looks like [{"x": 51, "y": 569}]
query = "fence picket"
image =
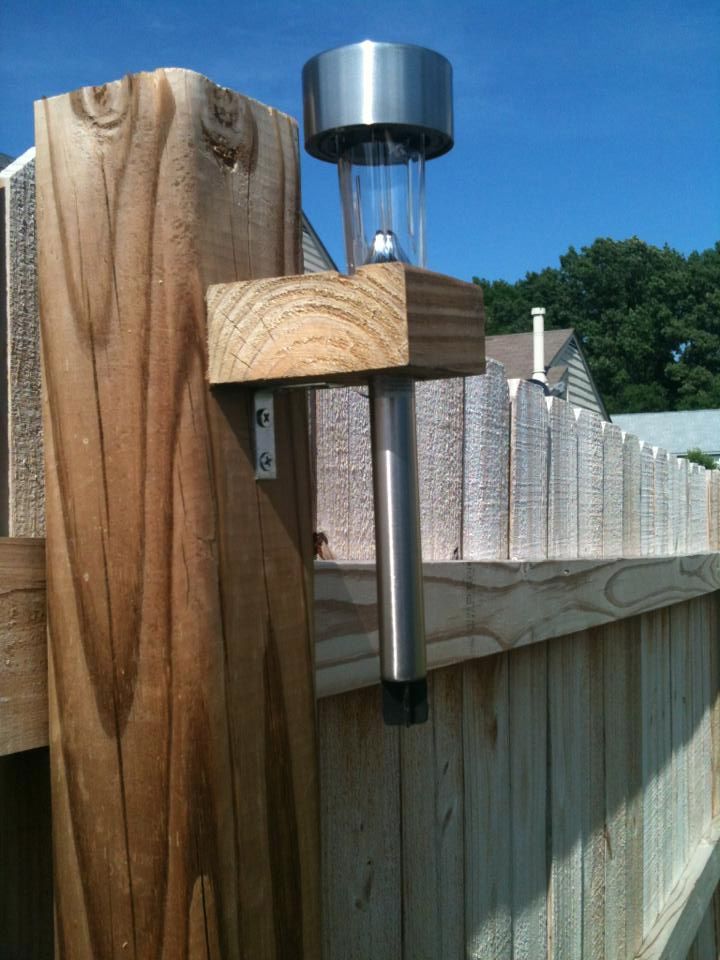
[
  {"x": 562, "y": 480},
  {"x": 662, "y": 498},
  {"x": 631, "y": 496},
  {"x": 485, "y": 467},
  {"x": 612, "y": 542},
  {"x": 528, "y": 473},
  {"x": 590, "y": 483},
  {"x": 440, "y": 426},
  {"x": 647, "y": 500}
]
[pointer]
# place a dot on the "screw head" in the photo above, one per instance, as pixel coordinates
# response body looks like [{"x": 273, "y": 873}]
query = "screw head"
[
  {"x": 263, "y": 417},
  {"x": 266, "y": 462}
]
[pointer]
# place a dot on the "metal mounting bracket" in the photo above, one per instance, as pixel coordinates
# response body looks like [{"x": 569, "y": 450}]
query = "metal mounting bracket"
[{"x": 263, "y": 428}]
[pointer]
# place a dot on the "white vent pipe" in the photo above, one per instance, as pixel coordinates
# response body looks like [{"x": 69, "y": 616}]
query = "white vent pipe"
[{"x": 538, "y": 315}]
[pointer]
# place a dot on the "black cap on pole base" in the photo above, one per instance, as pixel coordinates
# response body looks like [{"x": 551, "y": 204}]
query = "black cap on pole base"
[{"x": 405, "y": 702}]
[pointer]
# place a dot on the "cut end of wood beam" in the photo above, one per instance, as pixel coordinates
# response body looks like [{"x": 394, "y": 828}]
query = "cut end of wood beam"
[{"x": 336, "y": 328}]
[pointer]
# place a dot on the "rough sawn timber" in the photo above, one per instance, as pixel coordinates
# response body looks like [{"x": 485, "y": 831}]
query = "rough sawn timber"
[
  {"x": 476, "y": 609},
  {"x": 672, "y": 934},
  {"x": 336, "y": 328},
  {"x": 23, "y": 660},
  {"x": 23, "y": 452},
  {"x": 181, "y": 702}
]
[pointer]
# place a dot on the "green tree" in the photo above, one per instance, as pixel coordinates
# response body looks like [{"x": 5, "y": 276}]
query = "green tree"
[
  {"x": 648, "y": 319},
  {"x": 704, "y": 459}
]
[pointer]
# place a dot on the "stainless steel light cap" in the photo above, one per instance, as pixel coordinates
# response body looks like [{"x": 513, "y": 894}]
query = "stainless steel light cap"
[{"x": 368, "y": 88}]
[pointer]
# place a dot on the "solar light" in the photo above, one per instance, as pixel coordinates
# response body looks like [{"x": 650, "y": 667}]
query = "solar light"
[{"x": 379, "y": 111}]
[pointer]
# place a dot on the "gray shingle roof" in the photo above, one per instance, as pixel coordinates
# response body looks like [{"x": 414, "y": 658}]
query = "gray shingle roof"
[
  {"x": 677, "y": 431},
  {"x": 515, "y": 351}
]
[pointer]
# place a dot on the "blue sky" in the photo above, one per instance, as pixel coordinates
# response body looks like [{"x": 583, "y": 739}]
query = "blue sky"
[{"x": 573, "y": 120}]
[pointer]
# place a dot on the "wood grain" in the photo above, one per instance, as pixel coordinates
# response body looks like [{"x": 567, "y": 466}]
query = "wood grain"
[
  {"x": 337, "y": 328},
  {"x": 475, "y": 609},
  {"x": 485, "y": 465},
  {"x": 528, "y": 473},
  {"x": 472, "y": 610},
  {"x": 676, "y": 927},
  {"x": 23, "y": 653},
  {"x": 679, "y": 481},
  {"x": 528, "y": 685},
  {"x": 440, "y": 423},
  {"x": 612, "y": 490},
  {"x": 662, "y": 502},
  {"x": 24, "y": 478},
  {"x": 343, "y": 469},
  {"x": 714, "y": 509},
  {"x": 488, "y": 851},
  {"x": 590, "y": 483},
  {"x": 433, "y": 830},
  {"x": 562, "y": 534},
  {"x": 647, "y": 500},
  {"x": 656, "y": 768},
  {"x": 577, "y": 875},
  {"x": 697, "y": 508},
  {"x": 631, "y": 496},
  {"x": 361, "y": 828},
  {"x": 620, "y": 644},
  {"x": 181, "y": 699}
]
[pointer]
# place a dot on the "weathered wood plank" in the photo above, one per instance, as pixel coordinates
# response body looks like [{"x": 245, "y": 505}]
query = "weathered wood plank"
[
  {"x": 672, "y": 934},
  {"x": 474, "y": 609},
  {"x": 528, "y": 473},
  {"x": 23, "y": 480},
  {"x": 681, "y": 731},
  {"x": 620, "y": 643},
  {"x": 528, "y": 681},
  {"x": 333, "y": 327},
  {"x": 714, "y": 509},
  {"x": 485, "y": 466},
  {"x": 345, "y": 512},
  {"x": 361, "y": 830},
  {"x": 662, "y": 502},
  {"x": 431, "y": 774},
  {"x": 590, "y": 483},
  {"x": 594, "y": 837},
  {"x": 568, "y": 677},
  {"x": 23, "y": 646},
  {"x": 697, "y": 509},
  {"x": 612, "y": 490},
  {"x": 488, "y": 849},
  {"x": 647, "y": 500},
  {"x": 700, "y": 753},
  {"x": 656, "y": 751},
  {"x": 440, "y": 427},
  {"x": 182, "y": 714},
  {"x": 680, "y": 503},
  {"x": 631, "y": 496},
  {"x": 562, "y": 521}
]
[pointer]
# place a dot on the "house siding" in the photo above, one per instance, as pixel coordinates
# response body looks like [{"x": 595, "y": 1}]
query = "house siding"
[
  {"x": 581, "y": 391},
  {"x": 315, "y": 256}
]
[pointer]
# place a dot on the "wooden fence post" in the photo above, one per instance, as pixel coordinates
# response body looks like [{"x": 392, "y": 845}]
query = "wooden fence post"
[{"x": 182, "y": 714}]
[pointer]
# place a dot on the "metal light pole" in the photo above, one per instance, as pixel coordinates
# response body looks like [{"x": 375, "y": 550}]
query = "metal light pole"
[{"x": 379, "y": 111}]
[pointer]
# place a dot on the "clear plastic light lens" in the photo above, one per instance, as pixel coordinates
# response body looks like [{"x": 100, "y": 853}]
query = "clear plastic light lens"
[{"x": 382, "y": 186}]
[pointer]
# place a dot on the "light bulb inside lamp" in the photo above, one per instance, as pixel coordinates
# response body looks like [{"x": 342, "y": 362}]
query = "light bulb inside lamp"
[{"x": 382, "y": 187}]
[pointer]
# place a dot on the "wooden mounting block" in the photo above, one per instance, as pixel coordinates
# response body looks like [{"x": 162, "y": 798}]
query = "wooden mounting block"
[{"x": 387, "y": 317}]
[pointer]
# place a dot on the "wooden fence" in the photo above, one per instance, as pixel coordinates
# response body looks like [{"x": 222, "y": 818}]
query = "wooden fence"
[{"x": 564, "y": 799}]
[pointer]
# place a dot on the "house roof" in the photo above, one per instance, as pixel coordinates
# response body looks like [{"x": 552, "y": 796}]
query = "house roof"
[
  {"x": 515, "y": 351},
  {"x": 676, "y": 431}
]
